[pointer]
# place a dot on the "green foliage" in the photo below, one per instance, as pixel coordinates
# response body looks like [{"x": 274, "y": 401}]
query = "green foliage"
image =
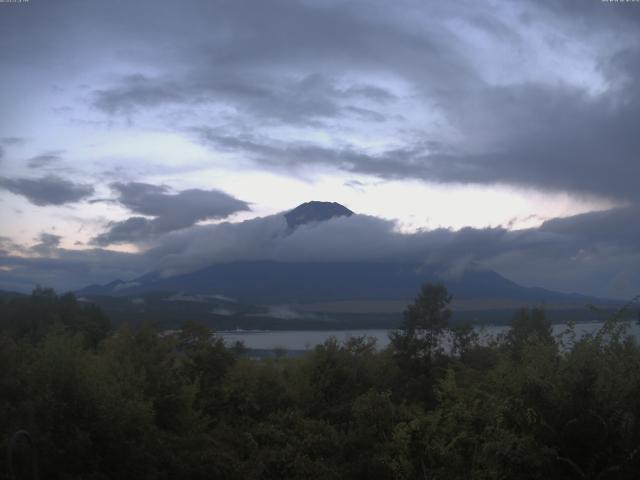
[
  {"x": 424, "y": 321},
  {"x": 32, "y": 317},
  {"x": 417, "y": 341},
  {"x": 529, "y": 327},
  {"x": 137, "y": 404}
]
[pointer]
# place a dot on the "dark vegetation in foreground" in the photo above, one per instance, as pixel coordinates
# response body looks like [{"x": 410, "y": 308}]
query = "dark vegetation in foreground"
[{"x": 132, "y": 404}]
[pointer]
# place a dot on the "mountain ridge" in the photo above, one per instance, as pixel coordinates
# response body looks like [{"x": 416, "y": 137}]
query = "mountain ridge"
[{"x": 271, "y": 282}]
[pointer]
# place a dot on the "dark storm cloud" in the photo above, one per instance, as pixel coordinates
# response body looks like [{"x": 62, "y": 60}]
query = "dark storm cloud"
[
  {"x": 553, "y": 138},
  {"x": 556, "y": 138},
  {"x": 409, "y": 161},
  {"x": 595, "y": 14},
  {"x": 303, "y": 64},
  {"x": 171, "y": 211},
  {"x": 283, "y": 62},
  {"x": 306, "y": 64},
  {"x": 618, "y": 227},
  {"x": 48, "y": 190},
  {"x": 293, "y": 154},
  {"x": 289, "y": 62},
  {"x": 272, "y": 98}
]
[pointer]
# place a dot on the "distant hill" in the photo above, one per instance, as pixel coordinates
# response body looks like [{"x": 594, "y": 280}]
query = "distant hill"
[{"x": 7, "y": 294}]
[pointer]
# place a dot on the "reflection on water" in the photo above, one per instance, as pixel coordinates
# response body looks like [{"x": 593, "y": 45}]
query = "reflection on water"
[{"x": 305, "y": 339}]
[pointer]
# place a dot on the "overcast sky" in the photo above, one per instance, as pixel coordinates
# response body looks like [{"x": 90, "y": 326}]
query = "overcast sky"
[{"x": 145, "y": 135}]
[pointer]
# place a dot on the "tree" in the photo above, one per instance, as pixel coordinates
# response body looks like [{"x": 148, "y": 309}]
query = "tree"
[
  {"x": 424, "y": 321},
  {"x": 463, "y": 339},
  {"x": 529, "y": 327},
  {"x": 416, "y": 342},
  {"x": 32, "y": 317}
]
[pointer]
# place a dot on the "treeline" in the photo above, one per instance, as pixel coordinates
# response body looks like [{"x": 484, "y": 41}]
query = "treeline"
[{"x": 133, "y": 404}]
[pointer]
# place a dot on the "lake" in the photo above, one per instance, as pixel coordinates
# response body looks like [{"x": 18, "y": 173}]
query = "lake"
[{"x": 308, "y": 339}]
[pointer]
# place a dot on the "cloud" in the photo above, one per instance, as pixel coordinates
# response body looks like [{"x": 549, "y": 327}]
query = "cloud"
[
  {"x": 47, "y": 190},
  {"x": 471, "y": 117},
  {"x": 68, "y": 269},
  {"x": 44, "y": 160},
  {"x": 171, "y": 211},
  {"x": 517, "y": 94},
  {"x": 48, "y": 244},
  {"x": 130, "y": 230},
  {"x": 344, "y": 239},
  {"x": 194, "y": 204},
  {"x": 617, "y": 227},
  {"x": 135, "y": 92},
  {"x": 276, "y": 98},
  {"x": 586, "y": 253},
  {"x": 49, "y": 240},
  {"x": 47, "y": 263},
  {"x": 557, "y": 139},
  {"x": 9, "y": 247},
  {"x": 10, "y": 141},
  {"x": 596, "y": 253},
  {"x": 268, "y": 238},
  {"x": 395, "y": 163}
]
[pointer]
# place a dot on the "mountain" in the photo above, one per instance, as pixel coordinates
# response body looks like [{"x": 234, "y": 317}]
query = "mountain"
[
  {"x": 272, "y": 283},
  {"x": 110, "y": 288},
  {"x": 317, "y": 296},
  {"x": 315, "y": 212}
]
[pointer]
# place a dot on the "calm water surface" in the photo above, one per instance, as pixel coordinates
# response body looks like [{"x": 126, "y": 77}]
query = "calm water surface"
[{"x": 308, "y": 339}]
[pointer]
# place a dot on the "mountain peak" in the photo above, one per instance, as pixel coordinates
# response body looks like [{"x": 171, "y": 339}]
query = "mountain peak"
[{"x": 315, "y": 211}]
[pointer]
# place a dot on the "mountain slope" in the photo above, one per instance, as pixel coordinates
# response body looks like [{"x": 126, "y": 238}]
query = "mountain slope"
[{"x": 279, "y": 282}]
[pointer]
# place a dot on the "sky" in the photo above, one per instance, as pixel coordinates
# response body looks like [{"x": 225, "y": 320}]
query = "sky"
[{"x": 163, "y": 136}]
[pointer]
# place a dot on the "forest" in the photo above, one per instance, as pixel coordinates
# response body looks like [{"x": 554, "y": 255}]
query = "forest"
[{"x": 118, "y": 402}]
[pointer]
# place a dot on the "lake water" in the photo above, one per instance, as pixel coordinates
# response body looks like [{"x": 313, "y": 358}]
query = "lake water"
[{"x": 308, "y": 339}]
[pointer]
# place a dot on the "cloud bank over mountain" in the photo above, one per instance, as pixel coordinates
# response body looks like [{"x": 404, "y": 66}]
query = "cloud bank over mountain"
[{"x": 593, "y": 253}]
